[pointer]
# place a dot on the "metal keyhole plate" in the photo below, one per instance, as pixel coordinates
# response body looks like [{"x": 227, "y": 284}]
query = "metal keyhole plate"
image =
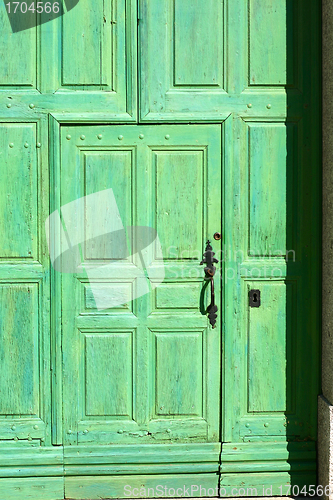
[{"x": 254, "y": 298}]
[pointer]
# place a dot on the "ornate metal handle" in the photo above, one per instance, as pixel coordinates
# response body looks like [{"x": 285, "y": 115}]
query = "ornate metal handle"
[{"x": 210, "y": 270}]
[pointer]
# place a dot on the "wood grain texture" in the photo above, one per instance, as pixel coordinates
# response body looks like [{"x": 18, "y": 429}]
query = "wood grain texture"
[
  {"x": 276, "y": 329},
  {"x": 183, "y": 172},
  {"x": 19, "y": 380},
  {"x": 267, "y": 194},
  {"x": 34, "y": 488},
  {"x": 156, "y": 373},
  {"x": 107, "y": 355},
  {"x": 267, "y": 354},
  {"x": 79, "y": 63},
  {"x": 19, "y": 53},
  {"x": 19, "y": 191},
  {"x": 24, "y": 289},
  {"x": 268, "y": 188},
  {"x": 202, "y": 61},
  {"x": 86, "y": 487},
  {"x": 87, "y": 46},
  {"x": 145, "y": 393},
  {"x": 198, "y": 62},
  {"x": 268, "y": 42}
]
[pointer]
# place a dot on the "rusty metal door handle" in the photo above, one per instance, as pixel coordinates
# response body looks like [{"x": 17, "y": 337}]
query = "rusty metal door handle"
[{"x": 210, "y": 270}]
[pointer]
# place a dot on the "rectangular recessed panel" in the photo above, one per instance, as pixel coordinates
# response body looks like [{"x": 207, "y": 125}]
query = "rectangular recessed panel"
[
  {"x": 268, "y": 42},
  {"x": 268, "y": 188},
  {"x": 108, "y": 364},
  {"x": 111, "y": 295},
  {"x": 179, "y": 202},
  {"x": 179, "y": 373},
  {"x": 109, "y": 170},
  {"x": 268, "y": 350},
  {"x": 178, "y": 295},
  {"x": 87, "y": 45},
  {"x": 198, "y": 42},
  {"x": 18, "y": 52},
  {"x": 19, "y": 349},
  {"x": 18, "y": 191}
]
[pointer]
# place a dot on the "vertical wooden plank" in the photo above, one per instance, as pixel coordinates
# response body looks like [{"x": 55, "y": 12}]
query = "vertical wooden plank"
[
  {"x": 45, "y": 284},
  {"x": 18, "y": 53},
  {"x": 56, "y": 312},
  {"x": 198, "y": 43},
  {"x": 19, "y": 192},
  {"x": 108, "y": 374},
  {"x": 154, "y": 80},
  {"x": 132, "y": 58},
  {"x": 212, "y": 187},
  {"x": 70, "y": 189},
  {"x": 143, "y": 216},
  {"x": 234, "y": 251},
  {"x": 19, "y": 375},
  {"x": 268, "y": 42},
  {"x": 179, "y": 373},
  {"x": 236, "y": 47},
  {"x": 25, "y": 284},
  {"x": 183, "y": 202},
  {"x": 267, "y": 349},
  {"x": 87, "y": 57},
  {"x": 268, "y": 188},
  {"x": 49, "y": 70}
]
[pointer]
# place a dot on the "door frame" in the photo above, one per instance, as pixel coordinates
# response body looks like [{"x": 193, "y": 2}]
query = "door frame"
[{"x": 325, "y": 401}]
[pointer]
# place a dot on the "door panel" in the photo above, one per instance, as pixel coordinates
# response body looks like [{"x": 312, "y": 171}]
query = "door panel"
[
  {"x": 144, "y": 370},
  {"x": 144, "y": 391},
  {"x": 19, "y": 224},
  {"x": 24, "y": 291},
  {"x": 267, "y": 359},
  {"x": 83, "y": 62},
  {"x": 269, "y": 252},
  {"x": 272, "y": 349},
  {"x": 201, "y": 61},
  {"x": 87, "y": 47},
  {"x": 267, "y": 45},
  {"x": 204, "y": 18}
]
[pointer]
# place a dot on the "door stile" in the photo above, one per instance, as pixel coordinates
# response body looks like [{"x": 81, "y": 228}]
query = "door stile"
[{"x": 56, "y": 314}]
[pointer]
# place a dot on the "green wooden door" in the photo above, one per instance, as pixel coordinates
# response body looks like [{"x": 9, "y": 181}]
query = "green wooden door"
[
  {"x": 240, "y": 63},
  {"x": 135, "y": 132},
  {"x": 144, "y": 370}
]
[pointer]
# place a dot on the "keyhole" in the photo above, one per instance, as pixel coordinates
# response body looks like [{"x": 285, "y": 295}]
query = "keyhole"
[{"x": 254, "y": 296}]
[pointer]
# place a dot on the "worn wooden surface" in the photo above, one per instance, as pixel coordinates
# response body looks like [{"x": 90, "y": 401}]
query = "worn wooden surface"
[
  {"x": 148, "y": 372},
  {"x": 147, "y": 392}
]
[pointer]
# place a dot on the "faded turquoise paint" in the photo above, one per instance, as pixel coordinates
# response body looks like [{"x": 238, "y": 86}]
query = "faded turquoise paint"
[{"x": 147, "y": 393}]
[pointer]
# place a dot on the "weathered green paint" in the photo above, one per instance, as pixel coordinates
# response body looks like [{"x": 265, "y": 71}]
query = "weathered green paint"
[
  {"x": 147, "y": 393},
  {"x": 82, "y": 65},
  {"x": 165, "y": 358},
  {"x": 271, "y": 209}
]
